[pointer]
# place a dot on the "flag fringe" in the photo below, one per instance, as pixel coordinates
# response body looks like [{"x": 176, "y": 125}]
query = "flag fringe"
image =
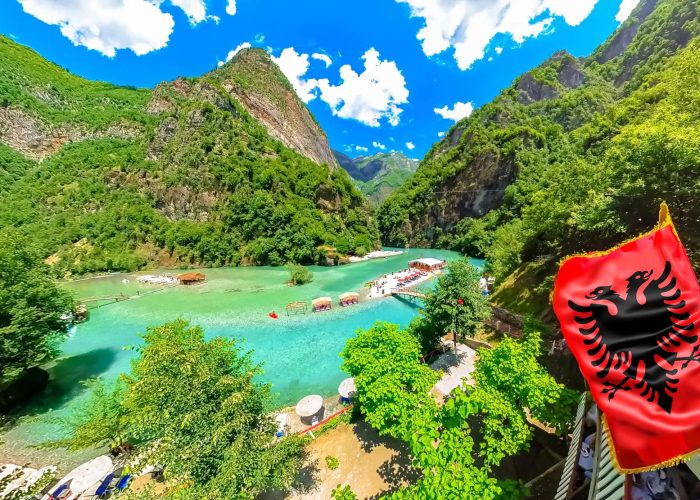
[
  {"x": 671, "y": 462},
  {"x": 664, "y": 221}
]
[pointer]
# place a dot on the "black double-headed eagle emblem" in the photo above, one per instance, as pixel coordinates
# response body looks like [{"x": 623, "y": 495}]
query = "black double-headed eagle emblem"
[{"x": 641, "y": 338}]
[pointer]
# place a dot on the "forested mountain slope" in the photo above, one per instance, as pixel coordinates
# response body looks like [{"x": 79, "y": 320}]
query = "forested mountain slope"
[
  {"x": 574, "y": 156},
  {"x": 113, "y": 178},
  {"x": 378, "y": 175}
]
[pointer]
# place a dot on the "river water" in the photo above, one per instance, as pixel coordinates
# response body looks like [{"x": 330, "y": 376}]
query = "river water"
[{"x": 298, "y": 354}]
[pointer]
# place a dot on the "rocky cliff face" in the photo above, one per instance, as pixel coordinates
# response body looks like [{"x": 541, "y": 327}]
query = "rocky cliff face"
[{"x": 259, "y": 85}]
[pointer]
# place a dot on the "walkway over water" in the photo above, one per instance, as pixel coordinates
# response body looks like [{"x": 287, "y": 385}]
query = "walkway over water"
[{"x": 407, "y": 292}]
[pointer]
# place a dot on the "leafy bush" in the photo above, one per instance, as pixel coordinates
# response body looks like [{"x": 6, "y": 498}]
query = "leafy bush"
[
  {"x": 332, "y": 462},
  {"x": 299, "y": 274},
  {"x": 343, "y": 493}
]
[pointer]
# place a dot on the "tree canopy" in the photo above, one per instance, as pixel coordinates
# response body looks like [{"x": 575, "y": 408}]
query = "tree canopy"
[
  {"x": 457, "y": 445},
  {"x": 392, "y": 383},
  {"x": 31, "y": 306},
  {"x": 192, "y": 405},
  {"x": 456, "y": 304}
]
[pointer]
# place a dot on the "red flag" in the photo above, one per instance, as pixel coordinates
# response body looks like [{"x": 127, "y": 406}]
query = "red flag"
[{"x": 631, "y": 317}]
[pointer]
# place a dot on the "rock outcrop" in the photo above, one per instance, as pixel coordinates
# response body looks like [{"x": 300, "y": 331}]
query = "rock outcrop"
[{"x": 258, "y": 84}]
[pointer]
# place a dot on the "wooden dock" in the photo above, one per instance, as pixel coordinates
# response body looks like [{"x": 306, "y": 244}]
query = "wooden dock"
[{"x": 104, "y": 300}]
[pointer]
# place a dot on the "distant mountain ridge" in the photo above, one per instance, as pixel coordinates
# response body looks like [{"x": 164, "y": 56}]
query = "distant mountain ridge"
[{"x": 378, "y": 175}]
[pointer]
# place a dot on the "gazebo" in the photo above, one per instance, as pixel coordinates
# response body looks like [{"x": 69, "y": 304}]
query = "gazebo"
[
  {"x": 349, "y": 298},
  {"x": 321, "y": 304},
  {"x": 191, "y": 278},
  {"x": 427, "y": 264}
]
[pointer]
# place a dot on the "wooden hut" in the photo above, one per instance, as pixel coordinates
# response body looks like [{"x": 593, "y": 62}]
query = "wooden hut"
[
  {"x": 191, "y": 278},
  {"x": 321, "y": 304},
  {"x": 427, "y": 264},
  {"x": 349, "y": 298}
]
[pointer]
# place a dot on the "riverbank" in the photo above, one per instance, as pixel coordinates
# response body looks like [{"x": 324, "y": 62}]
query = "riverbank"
[{"x": 298, "y": 354}]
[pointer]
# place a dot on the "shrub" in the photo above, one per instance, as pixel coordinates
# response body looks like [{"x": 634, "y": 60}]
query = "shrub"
[{"x": 299, "y": 274}]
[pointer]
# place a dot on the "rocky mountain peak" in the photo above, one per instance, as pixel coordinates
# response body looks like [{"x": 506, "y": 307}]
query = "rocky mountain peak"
[{"x": 253, "y": 78}]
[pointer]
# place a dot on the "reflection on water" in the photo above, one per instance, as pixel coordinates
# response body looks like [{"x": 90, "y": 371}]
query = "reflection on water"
[{"x": 299, "y": 354}]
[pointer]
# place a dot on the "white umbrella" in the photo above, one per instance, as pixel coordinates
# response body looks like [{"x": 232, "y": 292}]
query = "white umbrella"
[
  {"x": 310, "y": 405},
  {"x": 347, "y": 388}
]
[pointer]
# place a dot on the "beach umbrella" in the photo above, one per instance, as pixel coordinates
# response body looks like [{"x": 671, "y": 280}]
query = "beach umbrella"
[
  {"x": 310, "y": 405},
  {"x": 88, "y": 474},
  {"x": 347, "y": 389}
]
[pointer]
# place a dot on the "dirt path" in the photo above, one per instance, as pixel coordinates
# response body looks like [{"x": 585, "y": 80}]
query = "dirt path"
[{"x": 370, "y": 464}]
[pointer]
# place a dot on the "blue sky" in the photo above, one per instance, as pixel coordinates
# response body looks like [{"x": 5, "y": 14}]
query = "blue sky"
[{"x": 393, "y": 63}]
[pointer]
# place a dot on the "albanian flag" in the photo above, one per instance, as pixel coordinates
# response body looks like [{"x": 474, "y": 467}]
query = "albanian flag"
[{"x": 631, "y": 317}]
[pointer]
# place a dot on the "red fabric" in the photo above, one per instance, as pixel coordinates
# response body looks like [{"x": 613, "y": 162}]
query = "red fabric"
[{"x": 644, "y": 435}]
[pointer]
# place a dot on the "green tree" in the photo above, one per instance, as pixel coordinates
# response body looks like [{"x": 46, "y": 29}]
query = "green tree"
[
  {"x": 456, "y": 304},
  {"x": 31, "y": 306},
  {"x": 457, "y": 446},
  {"x": 192, "y": 405},
  {"x": 392, "y": 383},
  {"x": 299, "y": 274}
]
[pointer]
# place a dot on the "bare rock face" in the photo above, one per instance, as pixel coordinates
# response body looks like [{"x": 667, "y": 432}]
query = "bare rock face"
[
  {"x": 532, "y": 91},
  {"x": 570, "y": 74},
  {"x": 36, "y": 139},
  {"x": 472, "y": 192},
  {"x": 624, "y": 36},
  {"x": 259, "y": 85}
]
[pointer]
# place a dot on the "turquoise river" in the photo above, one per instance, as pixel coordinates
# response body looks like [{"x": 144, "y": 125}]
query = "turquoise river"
[{"x": 299, "y": 354}]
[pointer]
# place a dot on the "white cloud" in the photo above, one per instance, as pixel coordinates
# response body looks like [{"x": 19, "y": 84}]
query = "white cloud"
[
  {"x": 468, "y": 26},
  {"x": 106, "y": 25},
  {"x": 498, "y": 50},
  {"x": 441, "y": 134},
  {"x": 362, "y": 149},
  {"x": 259, "y": 38},
  {"x": 294, "y": 66},
  {"x": 231, "y": 8},
  {"x": 410, "y": 146},
  {"x": 368, "y": 97},
  {"x": 626, "y": 8},
  {"x": 196, "y": 10},
  {"x": 459, "y": 110},
  {"x": 232, "y": 53},
  {"x": 322, "y": 57},
  {"x": 378, "y": 145}
]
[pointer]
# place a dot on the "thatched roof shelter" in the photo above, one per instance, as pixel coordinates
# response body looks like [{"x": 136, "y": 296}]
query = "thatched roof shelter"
[{"x": 191, "y": 278}]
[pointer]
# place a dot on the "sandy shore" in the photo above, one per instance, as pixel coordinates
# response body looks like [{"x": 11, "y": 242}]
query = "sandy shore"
[{"x": 379, "y": 254}]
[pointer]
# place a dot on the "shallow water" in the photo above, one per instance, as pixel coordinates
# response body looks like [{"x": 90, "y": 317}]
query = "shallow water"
[{"x": 299, "y": 354}]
